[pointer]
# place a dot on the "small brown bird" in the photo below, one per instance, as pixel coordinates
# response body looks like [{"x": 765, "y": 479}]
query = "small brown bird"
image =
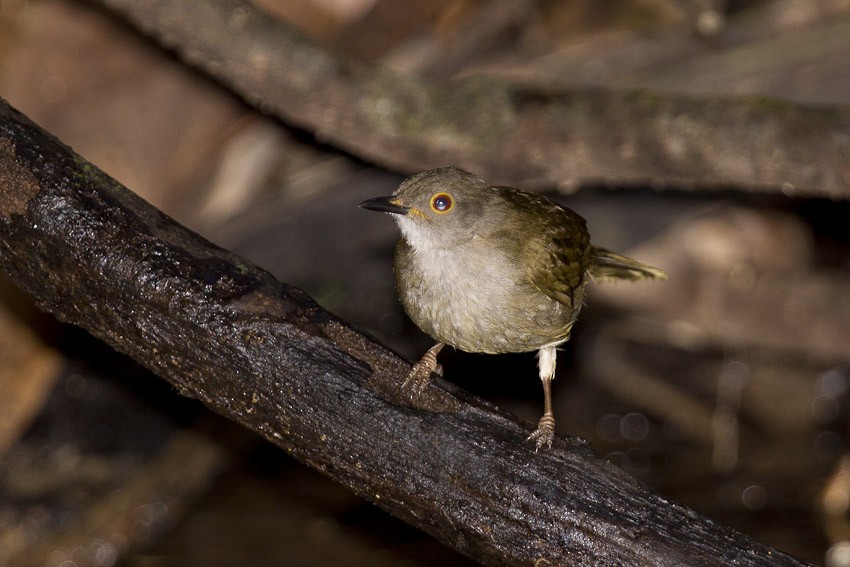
[{"x": 494, "y": 270}]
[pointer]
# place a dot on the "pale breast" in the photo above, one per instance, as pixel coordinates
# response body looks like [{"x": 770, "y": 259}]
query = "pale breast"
[{"x": 486, "y": 304}]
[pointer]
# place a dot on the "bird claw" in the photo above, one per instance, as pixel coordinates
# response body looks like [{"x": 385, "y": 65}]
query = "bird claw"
[
  {"x": 419, "y": 377},
  {"x": 415, "y": 383},
  {"x": 544, "y": 434}
]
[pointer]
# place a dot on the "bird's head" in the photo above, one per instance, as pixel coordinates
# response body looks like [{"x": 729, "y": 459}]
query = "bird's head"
[{"x": 440, "y": 207}]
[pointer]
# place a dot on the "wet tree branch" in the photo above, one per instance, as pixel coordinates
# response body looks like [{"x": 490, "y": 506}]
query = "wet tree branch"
[
  {"x": 263, "y": 354},
  {"x": 532, "y": 136}
]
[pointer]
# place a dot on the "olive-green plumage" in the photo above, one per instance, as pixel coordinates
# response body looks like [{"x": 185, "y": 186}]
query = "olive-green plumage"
[
  {"x": 494, "y": 269},
  {"x": 470, "y": 284}
]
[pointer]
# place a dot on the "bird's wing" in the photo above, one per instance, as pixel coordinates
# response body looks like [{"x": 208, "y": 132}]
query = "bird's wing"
[{"x": 561, "y": 254}]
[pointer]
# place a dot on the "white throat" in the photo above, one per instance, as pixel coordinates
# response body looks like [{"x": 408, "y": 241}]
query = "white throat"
[{"x": 421, "y": 239}]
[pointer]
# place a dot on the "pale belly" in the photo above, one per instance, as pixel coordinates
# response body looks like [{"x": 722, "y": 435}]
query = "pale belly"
[{"x": 490, "y": 309}]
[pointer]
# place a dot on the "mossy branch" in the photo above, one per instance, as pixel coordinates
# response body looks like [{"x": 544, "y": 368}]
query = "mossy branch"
[{"x": 505, "y": 132}]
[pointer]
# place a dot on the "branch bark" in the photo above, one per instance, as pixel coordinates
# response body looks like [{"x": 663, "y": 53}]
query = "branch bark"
[
  {"x": 531, "y": 136},
  {"x": 264, "y": 354}
]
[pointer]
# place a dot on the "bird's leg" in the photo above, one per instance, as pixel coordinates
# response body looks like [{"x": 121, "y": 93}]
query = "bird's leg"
[
  {"x": 421, "y": 373},
  {"x": 545, "y": 432}
]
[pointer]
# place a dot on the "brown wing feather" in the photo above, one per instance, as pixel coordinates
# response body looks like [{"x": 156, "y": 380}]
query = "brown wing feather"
[
  {"x": 607, "y": 265},
  {"x": 564, "y": 248}
]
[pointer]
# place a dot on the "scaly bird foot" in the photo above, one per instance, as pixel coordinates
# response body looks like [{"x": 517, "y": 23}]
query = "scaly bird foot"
[
  {"x": 419, "y": 377},
  {"x": 416, "y": 381},
  {"x": 545, "y": 432}
]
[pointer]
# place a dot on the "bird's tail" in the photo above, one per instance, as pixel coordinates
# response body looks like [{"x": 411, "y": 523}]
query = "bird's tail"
[{"x": 607, "y": 265}]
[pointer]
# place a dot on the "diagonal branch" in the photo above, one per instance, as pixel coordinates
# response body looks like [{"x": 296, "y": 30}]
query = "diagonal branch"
[
  {"x": 265, "y": 355},
  {"x": 530, "y": 136}
]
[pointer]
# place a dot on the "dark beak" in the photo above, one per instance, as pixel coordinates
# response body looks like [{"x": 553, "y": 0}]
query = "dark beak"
[{"x": 389, "y": 204}]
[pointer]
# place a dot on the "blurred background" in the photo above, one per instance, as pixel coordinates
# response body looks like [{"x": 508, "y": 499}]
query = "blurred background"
[{"x": 725, "y": 388}]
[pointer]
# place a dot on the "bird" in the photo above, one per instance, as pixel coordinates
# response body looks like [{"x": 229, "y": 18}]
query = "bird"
[{"x": 493, "y": 269}]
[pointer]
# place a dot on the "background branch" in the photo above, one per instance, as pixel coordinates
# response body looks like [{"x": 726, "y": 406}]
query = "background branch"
[
  {"x": 265, "y": 355},
  {"x": 532, "y": 136}
]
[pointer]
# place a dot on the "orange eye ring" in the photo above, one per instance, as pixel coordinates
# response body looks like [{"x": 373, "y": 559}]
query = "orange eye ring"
[{"x": 442, "y": 203}]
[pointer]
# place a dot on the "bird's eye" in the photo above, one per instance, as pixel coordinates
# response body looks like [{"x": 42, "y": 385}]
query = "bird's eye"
[{"x": 441, "y": 203}]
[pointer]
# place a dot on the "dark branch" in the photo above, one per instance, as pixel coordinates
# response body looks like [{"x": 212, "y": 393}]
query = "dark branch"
[
  {"x": 513, "y": 134},
  {"x": 265, "y": 355}
]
